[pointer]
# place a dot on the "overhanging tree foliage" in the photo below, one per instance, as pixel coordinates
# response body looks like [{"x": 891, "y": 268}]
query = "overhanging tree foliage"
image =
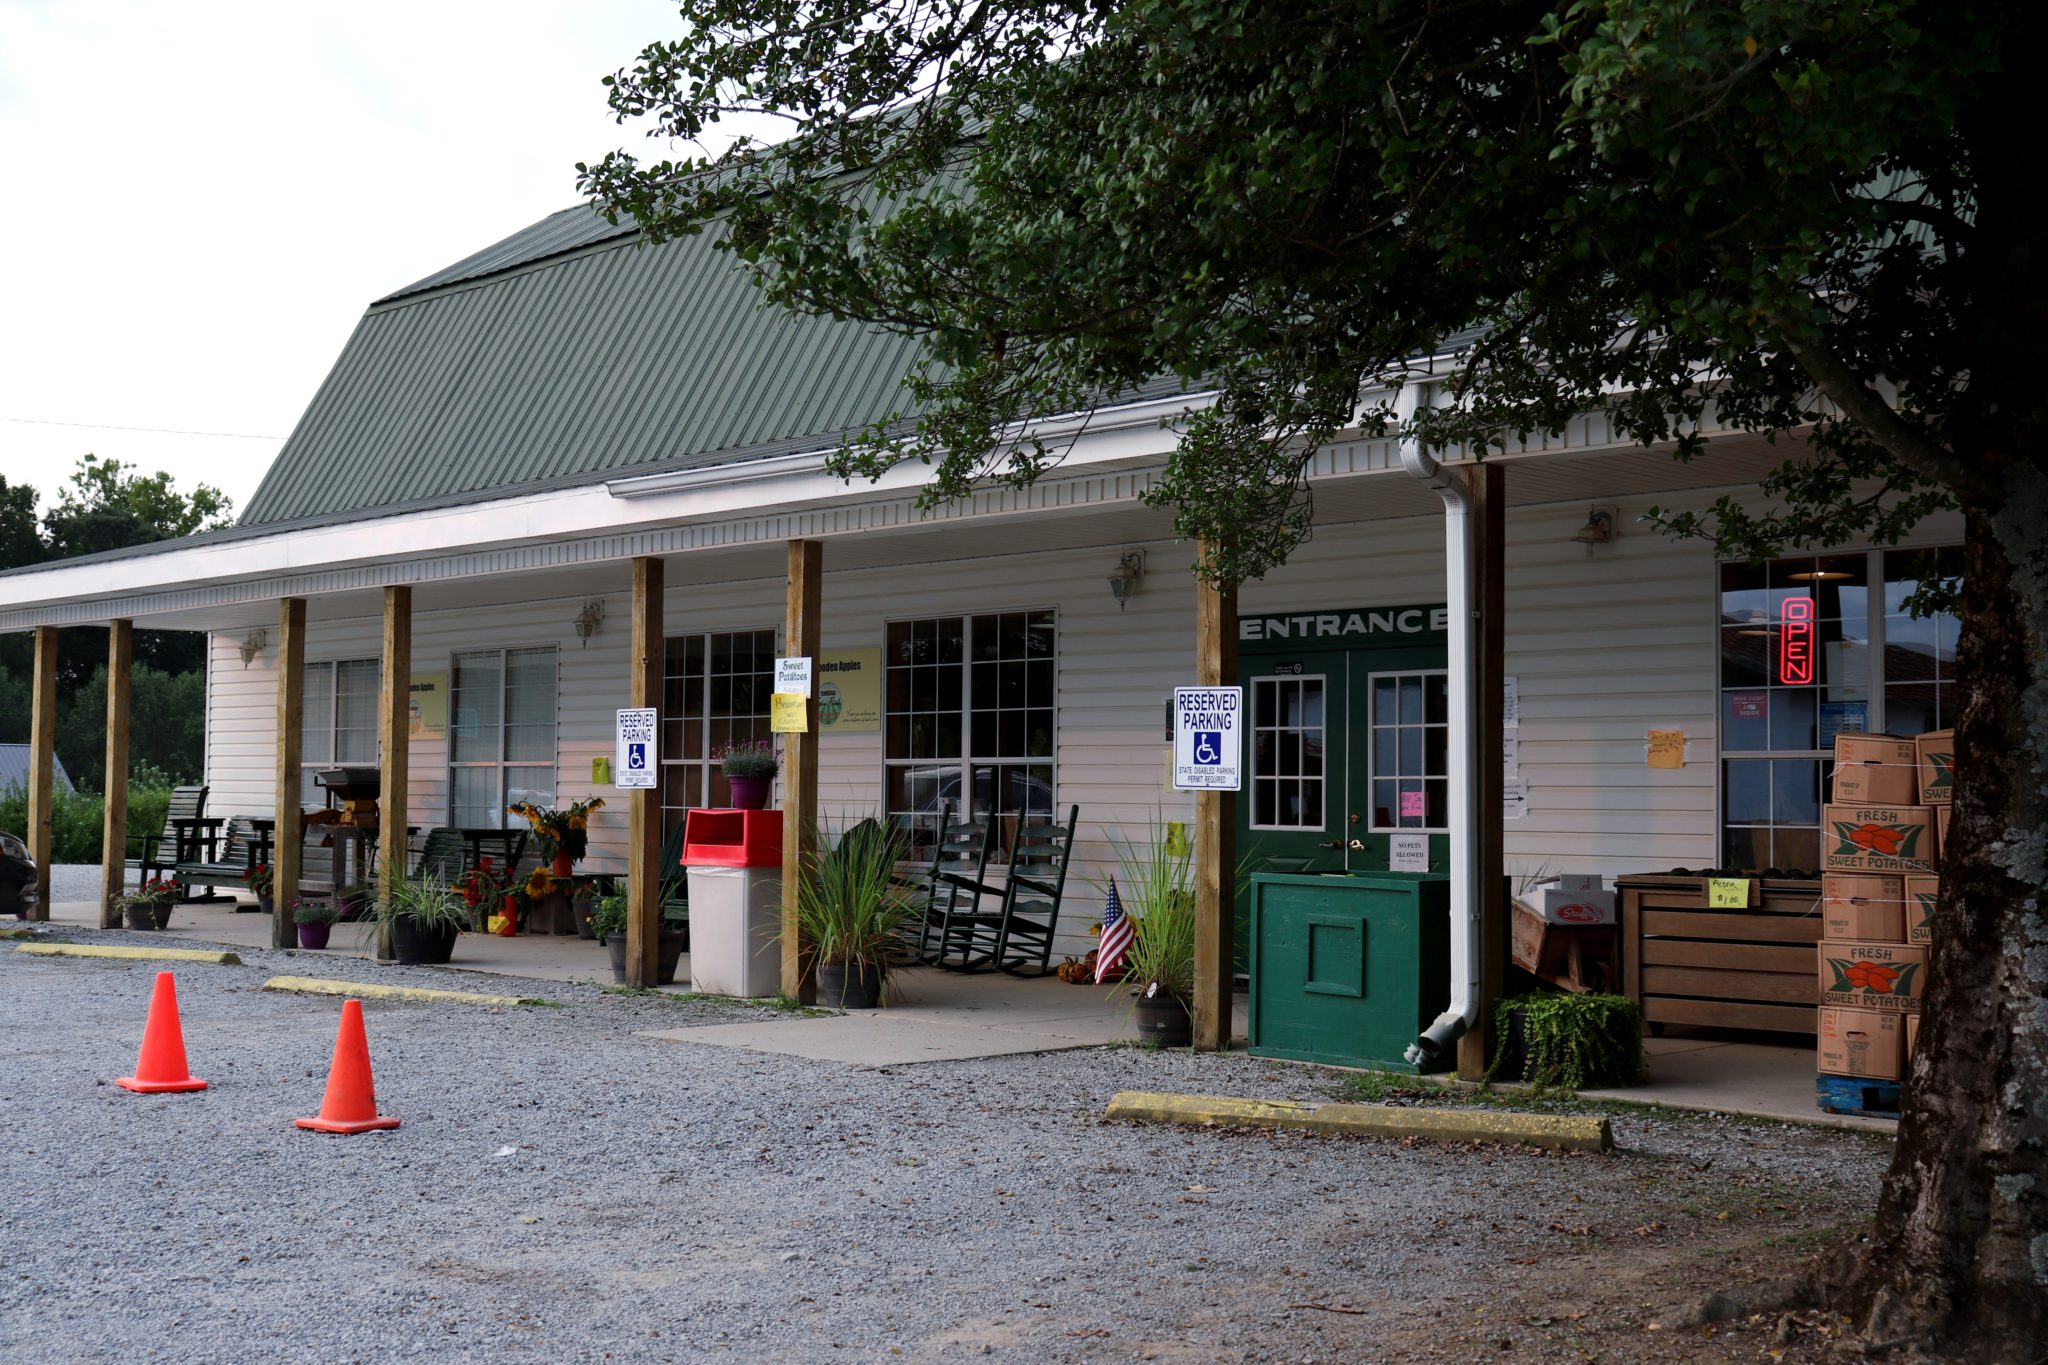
[{"x": 1807, "y": 215}]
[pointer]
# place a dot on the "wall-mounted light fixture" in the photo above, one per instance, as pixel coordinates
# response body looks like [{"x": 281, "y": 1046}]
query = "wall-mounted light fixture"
[
  {"x": 589, "y": 619},
  {"x": 1123, "y": 580},
  {"x": 252, "y": 645},
  {"x": 1599, "y": 527}
]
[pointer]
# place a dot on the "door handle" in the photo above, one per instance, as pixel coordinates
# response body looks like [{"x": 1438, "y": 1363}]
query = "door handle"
[{"x": 1337, "y": 844}]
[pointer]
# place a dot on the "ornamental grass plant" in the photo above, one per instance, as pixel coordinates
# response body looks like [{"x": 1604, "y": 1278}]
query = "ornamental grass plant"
[
  {"x": 848, "y": 905},
  {"x": 1155, "y": 884}
]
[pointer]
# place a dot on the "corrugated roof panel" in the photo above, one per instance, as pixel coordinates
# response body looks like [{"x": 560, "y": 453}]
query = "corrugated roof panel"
[{"x": 568, "y": 230}]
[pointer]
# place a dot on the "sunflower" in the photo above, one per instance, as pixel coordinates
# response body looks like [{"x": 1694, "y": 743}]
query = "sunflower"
[{"x": 539, "y": 883}]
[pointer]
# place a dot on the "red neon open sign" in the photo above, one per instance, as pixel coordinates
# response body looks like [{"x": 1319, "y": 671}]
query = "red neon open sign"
[{"x": 1795, "y": 642}]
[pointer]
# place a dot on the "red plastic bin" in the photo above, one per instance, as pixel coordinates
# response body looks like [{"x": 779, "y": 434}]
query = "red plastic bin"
[{"x": 733, "y": 838}]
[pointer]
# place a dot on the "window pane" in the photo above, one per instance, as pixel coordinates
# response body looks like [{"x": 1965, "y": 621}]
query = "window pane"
[
  {"x": 529, "y": 784},
  {"x": 1794, "y": 718},
  {"x": 530, "y": 704},
  {"x": 1745, "y": 719},
  {"x": 474, "y": 800},
  {"x": 1795, "y": 792},
  {"x": 1747, "y": 654},
  {"x": 316, "y": 729},
  {"x": 1749, "y": 848},
  {"x": 1796, "y": 850},
  {"x": 1749, "y": 792},
  {"x": 473, "y": 720}
]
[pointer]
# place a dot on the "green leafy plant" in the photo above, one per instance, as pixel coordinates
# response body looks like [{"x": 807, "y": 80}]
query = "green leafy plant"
[
  {"x": 608, "y": 914},
  {"x": 847, "y": 906},
  {"x": 432, "y": 905},
  {"x": 1572, "y": 1041},
  {"x": 749, "y": 758},
  {"x": 308, "y": 910},
  {"x": 1155, "y": 884}
]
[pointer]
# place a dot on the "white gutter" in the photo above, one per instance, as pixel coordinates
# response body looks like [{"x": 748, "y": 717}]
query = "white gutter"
[{"x": 1465, "y": 815}]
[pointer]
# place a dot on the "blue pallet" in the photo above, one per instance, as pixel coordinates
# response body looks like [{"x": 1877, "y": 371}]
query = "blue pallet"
[{"x": 1859, "y": 1095}]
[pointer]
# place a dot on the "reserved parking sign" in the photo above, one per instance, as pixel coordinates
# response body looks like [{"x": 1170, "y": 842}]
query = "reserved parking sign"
[{"x": 1208, "y": 739}]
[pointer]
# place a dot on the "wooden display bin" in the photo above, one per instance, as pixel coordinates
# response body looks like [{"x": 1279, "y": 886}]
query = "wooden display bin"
[{"x": 1745, "y": 969}]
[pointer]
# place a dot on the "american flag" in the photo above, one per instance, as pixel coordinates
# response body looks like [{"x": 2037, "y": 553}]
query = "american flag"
[{"x": 1116, "y": 937}]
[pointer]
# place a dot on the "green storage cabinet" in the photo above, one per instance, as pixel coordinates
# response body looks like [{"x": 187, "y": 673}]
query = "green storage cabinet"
[{"x": 1348, "y": 969}]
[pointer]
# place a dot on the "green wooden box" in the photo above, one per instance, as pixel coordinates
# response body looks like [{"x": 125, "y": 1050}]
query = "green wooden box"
[{"x": 1348, "y": 970}]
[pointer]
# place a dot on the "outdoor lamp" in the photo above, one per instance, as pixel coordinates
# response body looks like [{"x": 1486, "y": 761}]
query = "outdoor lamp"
[
  {"x": 252, "y": 645},
  {"x": 1599, "y": 527},
  {"x": 589, "y": 618},
  {"x": 1123, "y": 580}
]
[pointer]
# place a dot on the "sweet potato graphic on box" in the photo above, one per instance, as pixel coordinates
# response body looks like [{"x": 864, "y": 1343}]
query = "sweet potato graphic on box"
[
  {"x": 1875, "y": 978},
  {"x": 1887, "y": 841}
]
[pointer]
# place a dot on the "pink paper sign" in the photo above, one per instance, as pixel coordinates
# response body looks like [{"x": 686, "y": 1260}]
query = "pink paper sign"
[{"x": 1412, "y": 803}]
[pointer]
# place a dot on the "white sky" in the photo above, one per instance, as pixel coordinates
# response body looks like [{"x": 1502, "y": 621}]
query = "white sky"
[{"x": 200, "y": 199}]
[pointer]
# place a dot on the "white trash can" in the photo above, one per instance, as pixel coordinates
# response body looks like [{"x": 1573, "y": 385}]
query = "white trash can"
[{"x": 736, "y": 931}]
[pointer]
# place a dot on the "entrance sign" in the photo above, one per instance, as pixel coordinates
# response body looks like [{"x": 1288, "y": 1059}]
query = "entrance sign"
[
  {"x": 1408, "y": 853},
  {"x": 1347, "y": 627},
  {"x": 1208, "y": 739},
  {"x": 637, "y": 762},
  {"x": 793, "y": 676}
]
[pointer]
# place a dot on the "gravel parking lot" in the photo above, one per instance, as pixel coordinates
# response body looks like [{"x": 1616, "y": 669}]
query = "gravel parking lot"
[{"x": 564, "y": 1190}]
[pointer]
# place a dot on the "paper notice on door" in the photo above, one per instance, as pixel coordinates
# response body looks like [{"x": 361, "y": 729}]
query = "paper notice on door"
[
  {"x": 1511, "y": 758},
  {"x": 1415, "y": 804},
  {"x": 1511, "y": 703},
  {"x": 1667, "y": 748},
  {"x": 1514, "y": 800},
  {"x": 1408, "y": 853}
]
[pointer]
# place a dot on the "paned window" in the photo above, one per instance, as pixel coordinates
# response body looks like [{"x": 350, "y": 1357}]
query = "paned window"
[
  {"x": 338, "y": 724},
  {"x": 501, "y": 734},
  {"x": 969, "y": 720},
  {"x": 1287, "y": 753},
  {"x": 714, "y": 693},
  {"x": 1411, "y": 740},
  {"x": 1799, "y": 638}
]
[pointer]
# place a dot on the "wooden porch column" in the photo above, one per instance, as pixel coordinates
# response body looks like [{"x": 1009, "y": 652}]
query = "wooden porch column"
[
  {"x": 42, "y": 752},
  {"x": 643, "y": 806},
  {"x": 1489, "y": 591},
  {"x": 114, "y": 819},
  {"x": 394, "y": 734},
  {"x": 290, "y": 842},
  {"x": 801, "y": 630},
  {"x": 1215, "y": 829}
]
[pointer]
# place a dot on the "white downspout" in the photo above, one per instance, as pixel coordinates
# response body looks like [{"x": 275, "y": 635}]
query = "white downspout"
[{"x": 1464, "y": 758}]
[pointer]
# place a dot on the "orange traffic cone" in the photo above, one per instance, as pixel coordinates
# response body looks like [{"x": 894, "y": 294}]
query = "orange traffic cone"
[
  {"x": 161, "y": 1067},
  {"x": 351, "y": 1103}
]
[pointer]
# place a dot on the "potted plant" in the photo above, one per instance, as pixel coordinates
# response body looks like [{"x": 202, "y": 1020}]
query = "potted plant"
[
  {"x": 424, "y": 915},
  {"x": 1156, "y": 890},
  {"x": 851, "y": 912},
  {"x": 262, "y": 881},
  {"x": 1564, "y": 1040},
  {"x": 148, "y": 906},
  {"x": 750, "y": 767},
  {"x": 563, "y": 835},
  {"x": 608, "y": 911},
  {"x": 352, "y": 902},
  {"x": 490, "y": 900},
  {"x": 315, "y": 918}
]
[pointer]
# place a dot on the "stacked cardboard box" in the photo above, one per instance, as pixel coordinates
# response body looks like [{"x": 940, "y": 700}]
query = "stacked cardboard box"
[{"x": 1880, "y": 833}]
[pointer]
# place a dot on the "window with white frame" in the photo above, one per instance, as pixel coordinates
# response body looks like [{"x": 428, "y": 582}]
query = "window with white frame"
[
  {"x": 338, "y": 723},
  {"x": 714, "y": 694},
  {"x": 1800, "y": 650},
  {"x": 1411, "y": 741},
  {"x": 969, "y": 719},
  {"x": 1288, "y": 781},
  {"x": 501, "y": 734}
]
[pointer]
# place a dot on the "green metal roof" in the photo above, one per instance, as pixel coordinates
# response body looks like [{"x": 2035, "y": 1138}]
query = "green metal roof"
[{"x": 565, "y": 354}]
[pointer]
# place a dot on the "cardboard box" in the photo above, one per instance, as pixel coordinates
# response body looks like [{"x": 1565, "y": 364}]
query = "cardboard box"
[
  {"x": 1912, "y": 1034},
  {"x": 1877, "y": 838},
  {"x": 1570, "y": 900},
  {"x": 1941, "y": 814},
  {"x": 1935, "y": 755},
  {"x": 1890, "y": 977},
  {"x": 1863, "y": 907},
  {"x": 1921, "y": 894},
  {"x": 1863, "y": 1043},
  {"x": 1875, "y": 770}
]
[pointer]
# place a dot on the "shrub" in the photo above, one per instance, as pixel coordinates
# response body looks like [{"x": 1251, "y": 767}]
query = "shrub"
[{"x": 1571, "y": 1041}]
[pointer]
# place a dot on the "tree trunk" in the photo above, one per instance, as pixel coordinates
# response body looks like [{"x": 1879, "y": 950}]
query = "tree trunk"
[{"x": 1958, "y": 1255}]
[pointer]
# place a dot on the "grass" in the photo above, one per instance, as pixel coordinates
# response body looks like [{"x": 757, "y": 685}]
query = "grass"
[{"x": 782, "y": 1003}]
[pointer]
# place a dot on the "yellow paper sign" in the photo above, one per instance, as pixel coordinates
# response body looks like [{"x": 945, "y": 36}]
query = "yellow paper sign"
[
  {"x": 789, "y": 713},
  {"x": 1727, "y": 893},
  {"x": 1667, "y": 748},
  {"x": 600, "y": 772}
]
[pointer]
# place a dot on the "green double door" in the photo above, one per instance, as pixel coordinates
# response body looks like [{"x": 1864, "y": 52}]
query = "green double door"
[{"x": 1347, "y": 743}]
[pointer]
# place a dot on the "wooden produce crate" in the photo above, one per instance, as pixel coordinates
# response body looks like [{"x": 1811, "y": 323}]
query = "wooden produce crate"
[{"x": 1746, "y": 969}]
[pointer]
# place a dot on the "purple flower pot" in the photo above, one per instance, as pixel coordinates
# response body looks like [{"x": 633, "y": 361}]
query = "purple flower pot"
[
  {"x": 314, "y": 935},
  {"x": 751, "y": 793}
]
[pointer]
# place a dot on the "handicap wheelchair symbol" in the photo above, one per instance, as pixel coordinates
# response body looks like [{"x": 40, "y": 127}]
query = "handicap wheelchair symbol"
[
  {"x": 636, "y": 757},
  {"x": 1208, "y": 747}
]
